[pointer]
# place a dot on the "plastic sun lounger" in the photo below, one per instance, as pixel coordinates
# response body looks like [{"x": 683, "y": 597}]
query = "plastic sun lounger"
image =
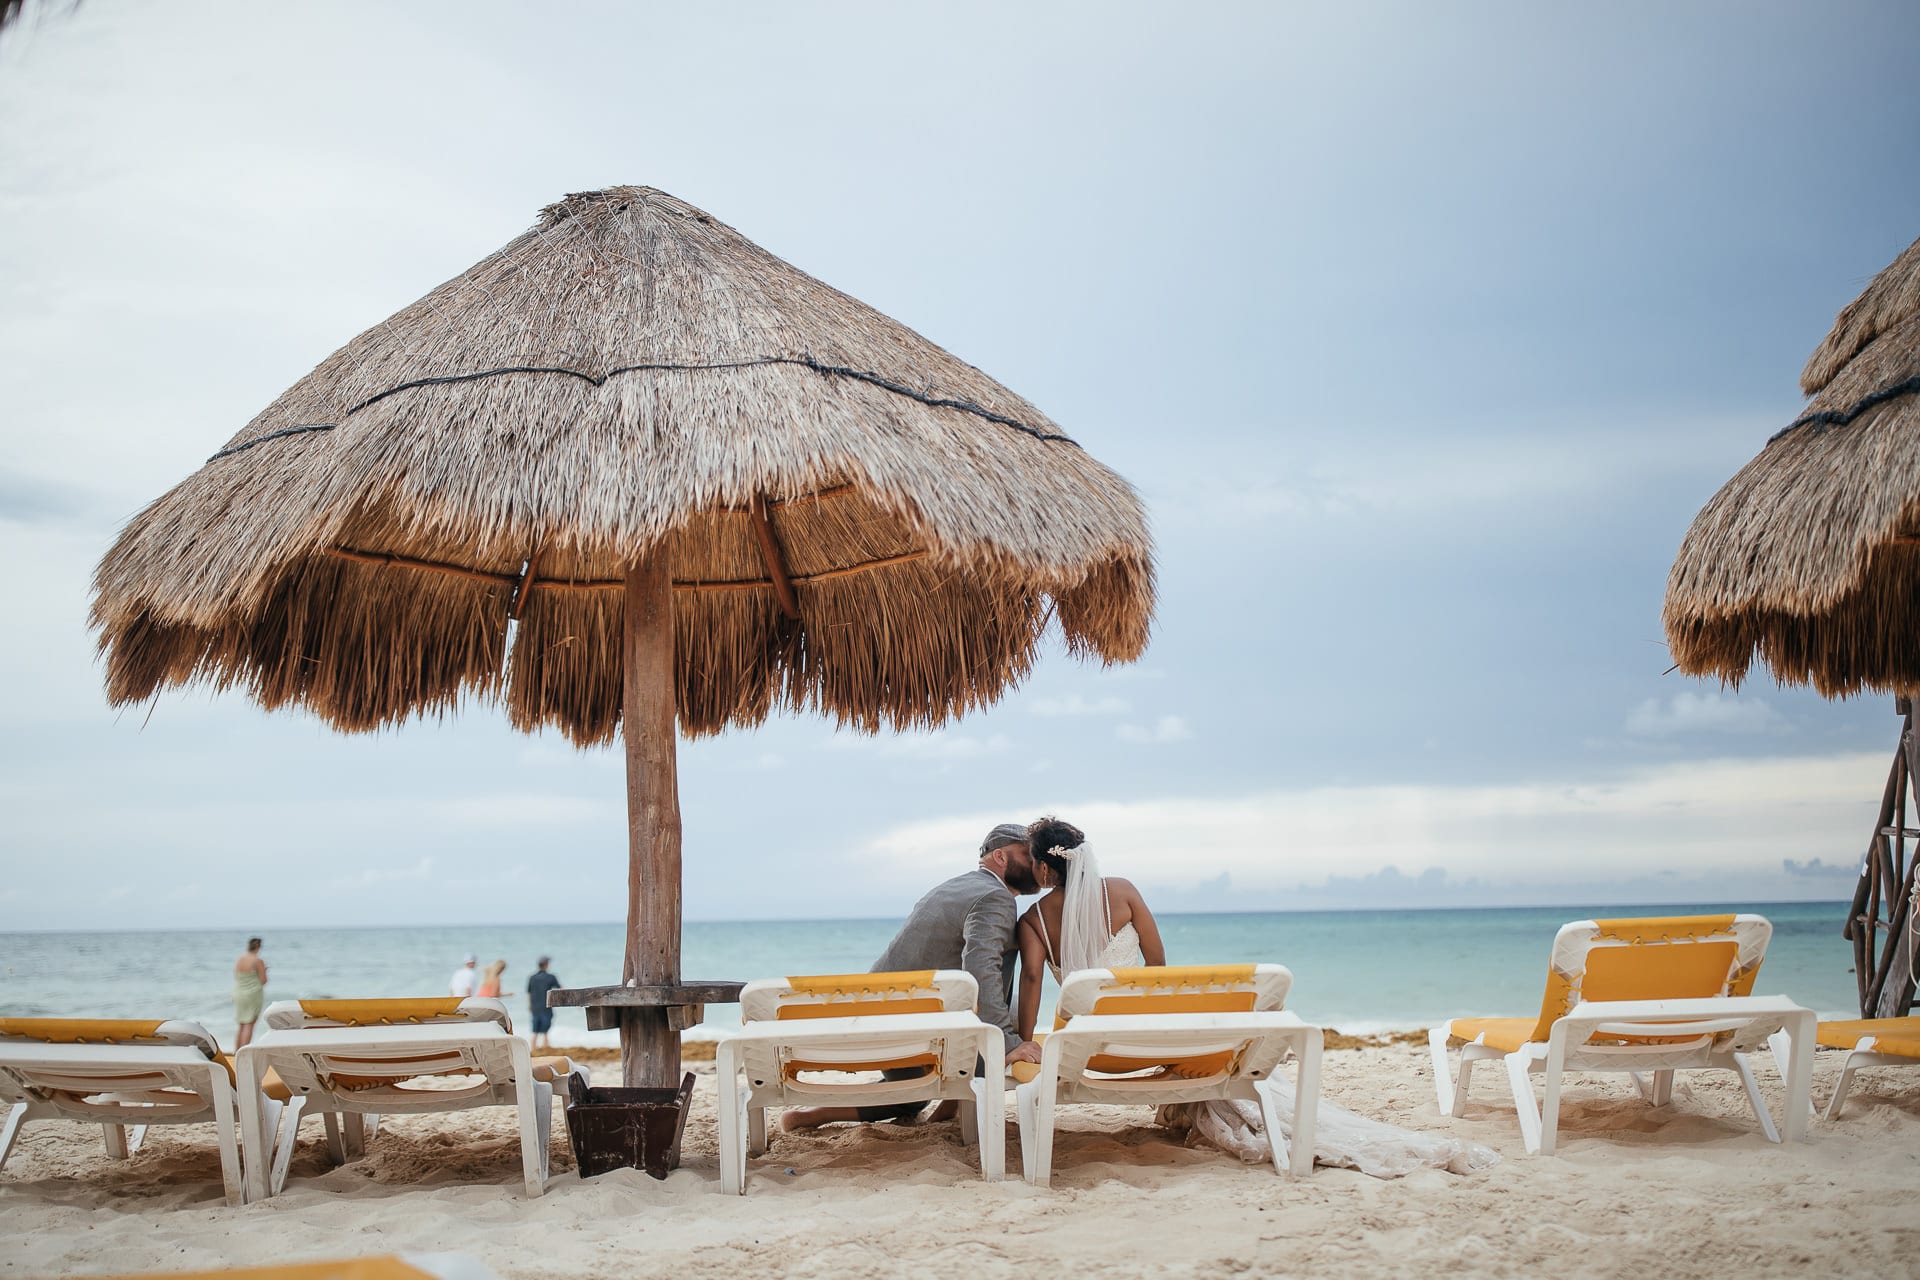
[
  {"x": 1870, "y": 1042},
  {"x": 1657, "y": 995},
  {"x": 801, "y": 1040},
  {"x": 386, "y": 1266},
  {"x": 121, "y": 1075},
  {"x": 1172, "y": 1034},
  {"x": 353, "y": 1061}
]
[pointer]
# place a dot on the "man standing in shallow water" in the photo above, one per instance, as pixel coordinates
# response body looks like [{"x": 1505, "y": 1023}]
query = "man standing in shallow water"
[
  {"x": 537, "y": 987},
  {"x": 249, "y": 992}
]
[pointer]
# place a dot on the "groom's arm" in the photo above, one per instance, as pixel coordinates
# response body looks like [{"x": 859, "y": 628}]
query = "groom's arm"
[{"x": 986, "y": 937}]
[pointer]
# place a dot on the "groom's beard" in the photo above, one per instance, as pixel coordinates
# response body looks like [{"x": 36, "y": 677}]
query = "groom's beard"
[{"x": 1022, "y": 882}]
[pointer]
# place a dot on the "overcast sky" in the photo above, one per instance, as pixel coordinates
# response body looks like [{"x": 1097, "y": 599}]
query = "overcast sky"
[{"x": 1423, "y": 330}]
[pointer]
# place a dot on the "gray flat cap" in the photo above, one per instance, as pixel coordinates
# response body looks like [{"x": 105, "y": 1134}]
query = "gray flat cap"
[{"x": 1005, "y": 834}]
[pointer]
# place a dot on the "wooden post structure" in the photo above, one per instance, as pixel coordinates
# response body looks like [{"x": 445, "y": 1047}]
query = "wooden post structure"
[
  {"x": 1882, "y": 924},
  {"x": 649, "y": 1042}
]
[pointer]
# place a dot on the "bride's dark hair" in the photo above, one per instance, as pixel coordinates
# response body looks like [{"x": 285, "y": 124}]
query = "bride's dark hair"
[{"x": 1047, "y": 834}]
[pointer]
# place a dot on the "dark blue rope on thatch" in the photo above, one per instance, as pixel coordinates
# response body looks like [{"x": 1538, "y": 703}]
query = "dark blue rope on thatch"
[
  {"x": 1841, "y": 417},
  {"x": 804, "y": 362}
]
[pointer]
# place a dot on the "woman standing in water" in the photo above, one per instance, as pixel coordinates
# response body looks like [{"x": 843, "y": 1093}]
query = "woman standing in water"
[{"x": 249, "y": 991}]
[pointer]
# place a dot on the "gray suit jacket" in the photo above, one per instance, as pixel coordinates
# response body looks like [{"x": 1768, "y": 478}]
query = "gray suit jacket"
[{"x": 966, "y": 923}]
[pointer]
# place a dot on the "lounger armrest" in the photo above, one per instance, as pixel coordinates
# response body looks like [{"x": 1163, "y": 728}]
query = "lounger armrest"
[
  {"x": 887, "y": 1026},
  {"x": 1094, "y": 1024},
  {"x": 1755, "y": 1016}
]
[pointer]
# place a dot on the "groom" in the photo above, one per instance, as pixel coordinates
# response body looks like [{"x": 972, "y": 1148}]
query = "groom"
[{"x": 966, "y": 923}]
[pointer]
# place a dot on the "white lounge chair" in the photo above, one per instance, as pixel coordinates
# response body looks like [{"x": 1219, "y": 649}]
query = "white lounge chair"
[
  {"x": 385, "y": 1266},
  {"x": 802, "y": 1039},
  {"x": 1188, "y": 1033},
  {"x": 1654, "y": 995},
  {"x": 121, "y": 1075},
  {"x": 353, "y": 1061},
  {"x": 1869, "y": 1042}
]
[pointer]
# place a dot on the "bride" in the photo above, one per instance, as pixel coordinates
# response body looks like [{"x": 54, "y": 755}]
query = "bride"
[{"x": 1088, "y": 921}]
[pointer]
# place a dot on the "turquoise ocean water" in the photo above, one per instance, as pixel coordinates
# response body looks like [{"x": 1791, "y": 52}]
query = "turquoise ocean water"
[{"x": 1358, "y": 971}]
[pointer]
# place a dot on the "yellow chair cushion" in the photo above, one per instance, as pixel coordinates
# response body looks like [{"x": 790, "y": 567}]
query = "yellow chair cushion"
[
  {"x": 1899, "y": 1037},
  {"x": 1504, "y": 1034},
  {"x": 378, "y": 1268},
  {"x": 377, "y": 1013},
  {"x": 81, "y": 1030}
]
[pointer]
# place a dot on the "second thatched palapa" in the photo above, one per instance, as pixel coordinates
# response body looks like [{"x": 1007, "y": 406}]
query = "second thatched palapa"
[
  {"x": 631, "y": 468},
  {"x": 1809, "y": 559}
]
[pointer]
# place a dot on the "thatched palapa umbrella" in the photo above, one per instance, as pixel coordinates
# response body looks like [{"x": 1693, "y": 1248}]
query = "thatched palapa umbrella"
[
  {"x": 631, "y": 468},
  {"x": 1809, "y": 561}
]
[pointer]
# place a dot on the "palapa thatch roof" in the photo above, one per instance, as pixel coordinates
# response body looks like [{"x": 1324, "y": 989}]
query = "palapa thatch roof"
[
  {"x": 1809, "y": 558},
  {"x": 630, "y": 375}
]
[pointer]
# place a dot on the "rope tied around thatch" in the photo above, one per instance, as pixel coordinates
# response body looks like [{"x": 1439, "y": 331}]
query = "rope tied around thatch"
[
  {"x": 1841, "y": 417},
  {"x": 803, "y": 362}
]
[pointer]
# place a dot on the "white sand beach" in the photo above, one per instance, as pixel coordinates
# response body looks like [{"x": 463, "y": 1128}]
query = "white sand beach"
[{"x": 1689, "y": 1189}]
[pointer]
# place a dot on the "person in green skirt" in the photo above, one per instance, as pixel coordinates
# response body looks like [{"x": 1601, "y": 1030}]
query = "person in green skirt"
[{"x": 249, "y": 991}]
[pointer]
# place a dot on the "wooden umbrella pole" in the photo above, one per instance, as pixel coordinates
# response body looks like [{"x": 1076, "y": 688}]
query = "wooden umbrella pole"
[{"x": 649, "y": 1043}]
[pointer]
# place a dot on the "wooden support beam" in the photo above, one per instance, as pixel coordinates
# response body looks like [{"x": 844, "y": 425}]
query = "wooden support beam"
[
  {"x": 649, "y": 1045},
  {"x": 776, "y": 564},
  {"x": 514, "y": 580},
  {"x": 524, "y": 587}
]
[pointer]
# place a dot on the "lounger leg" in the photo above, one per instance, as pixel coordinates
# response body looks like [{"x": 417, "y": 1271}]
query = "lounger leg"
[
  {"x": 224, "y": 1124},
  {"x": 1036, "y": 1116},
  {"x": 543, "y": 1114},
  {"x": 256, "y": 1129},
  {"x": 353, "y": 1134},
  {"x": 1523, "y": 1103},
  {"x": 756, "y": 1131},
  {"x": 1760, "y": 1112},
  {"x": 1662, "y": 1088},
  {"x": 259, "y": 1127},
  {"x": 1800, "y": 1032},
  {"x": 284, "y": 1145},
  {"x": 1023, "y": 1113},
  {"x": 989, "y": 1111},
  {"x": 733, "y": 1120},
  {"x": 116, "y": 1140},
  {"x": 533, "y": 1105},
  {"x": 336, "y": 1141},
  {"x": 1780, "y": 1044},
  {"x": 16, "y": 1121},
  {"x": 970, "y": 1118},
  {"x": 1840, "y": 1089},
  {"x": 1442, "y": 1075},
  {"x": 1468, "y": 1057},
  {"x": 1306, "y": 1105},
  {"x": 1556, "y": 1064}
]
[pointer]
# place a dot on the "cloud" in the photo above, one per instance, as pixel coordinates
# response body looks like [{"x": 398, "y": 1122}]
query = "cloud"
[
  {"x": 25, "y": 500},
  {"x": 1819, "y": 867},
  {"x": 372, "y": 876},
  {"x": 1720, "y": 824},
  {"x": 943, "y": 747},
  {"x": 525, "y": 809},
  {"x": 1694, "y": 712},
  {"x": 1075, "y": 705},
  {"x": 1165, "y": 729}
]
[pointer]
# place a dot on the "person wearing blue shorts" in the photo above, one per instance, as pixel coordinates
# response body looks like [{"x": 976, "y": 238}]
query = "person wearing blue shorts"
[{"x": 537, "y": 987}]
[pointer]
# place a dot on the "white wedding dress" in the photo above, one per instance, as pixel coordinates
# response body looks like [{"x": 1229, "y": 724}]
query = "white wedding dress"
[{"x": 1341, "y": 1139}]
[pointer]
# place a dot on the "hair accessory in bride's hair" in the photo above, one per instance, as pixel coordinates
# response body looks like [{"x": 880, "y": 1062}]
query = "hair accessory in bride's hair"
[{"x": 1060, "y": 851}]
